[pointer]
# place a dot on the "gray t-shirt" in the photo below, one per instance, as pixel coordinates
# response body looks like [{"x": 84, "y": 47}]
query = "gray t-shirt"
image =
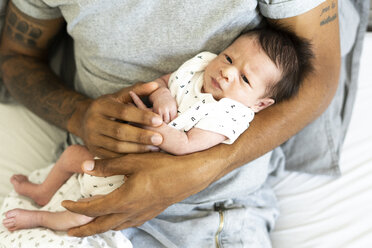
[{"x": 118, "y": 43}]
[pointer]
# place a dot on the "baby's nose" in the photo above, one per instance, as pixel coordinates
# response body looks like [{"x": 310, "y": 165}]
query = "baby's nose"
[{"x": 227, "y": 73}]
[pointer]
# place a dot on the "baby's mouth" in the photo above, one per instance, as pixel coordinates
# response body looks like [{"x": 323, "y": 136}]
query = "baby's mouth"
[{"x": 215, "y": 84}]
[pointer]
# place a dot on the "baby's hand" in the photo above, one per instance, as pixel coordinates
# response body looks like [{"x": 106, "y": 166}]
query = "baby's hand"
[{"x": 164, "y": 104}]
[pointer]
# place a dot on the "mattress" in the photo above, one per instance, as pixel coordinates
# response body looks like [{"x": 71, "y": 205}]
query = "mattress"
[{"x": 320, "y": 211}]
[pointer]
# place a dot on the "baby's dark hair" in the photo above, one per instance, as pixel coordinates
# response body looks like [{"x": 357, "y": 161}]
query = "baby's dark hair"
[{"x": 292, "y": 54}]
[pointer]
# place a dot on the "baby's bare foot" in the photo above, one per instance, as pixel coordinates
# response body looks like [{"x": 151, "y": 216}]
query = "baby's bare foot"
[
  {"x": 17, "y": 219},
  {"x": 35, "y": 191}
]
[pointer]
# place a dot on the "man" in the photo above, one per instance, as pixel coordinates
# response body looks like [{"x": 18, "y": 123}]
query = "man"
[{"x": 119, "y": 44}]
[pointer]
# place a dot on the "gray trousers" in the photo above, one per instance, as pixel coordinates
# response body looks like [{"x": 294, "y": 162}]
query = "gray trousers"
[{"x": 236, "y": 211}]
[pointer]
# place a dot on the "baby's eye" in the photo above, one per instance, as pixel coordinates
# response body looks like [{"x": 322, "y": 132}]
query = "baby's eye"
[
  {"x": 228, "y": 59},
  {"x": 245, "y": 79}
]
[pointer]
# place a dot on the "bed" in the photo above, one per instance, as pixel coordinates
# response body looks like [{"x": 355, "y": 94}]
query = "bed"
[{"x": 321, "y": 211}]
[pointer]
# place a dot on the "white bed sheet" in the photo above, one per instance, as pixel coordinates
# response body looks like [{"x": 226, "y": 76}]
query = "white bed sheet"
[{"x": 319, "y": 211}]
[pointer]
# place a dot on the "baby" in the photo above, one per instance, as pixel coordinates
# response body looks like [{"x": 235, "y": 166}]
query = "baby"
[{"x": 210, "y": 99}]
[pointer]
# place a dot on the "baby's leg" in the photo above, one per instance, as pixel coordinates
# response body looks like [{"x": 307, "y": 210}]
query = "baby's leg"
[
  {"x": 69, "y": 163},
  {"x": 17, "y": 219}
]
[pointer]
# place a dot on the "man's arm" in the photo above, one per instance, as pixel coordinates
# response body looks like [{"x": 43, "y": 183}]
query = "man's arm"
[
  {"x": 282, "y": 121},
  {"x": 156, "y": 180},
  {"x": 24, "y": 46}
]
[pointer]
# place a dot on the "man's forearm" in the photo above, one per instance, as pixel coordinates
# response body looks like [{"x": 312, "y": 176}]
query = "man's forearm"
[{"x": 31, "y": 82}]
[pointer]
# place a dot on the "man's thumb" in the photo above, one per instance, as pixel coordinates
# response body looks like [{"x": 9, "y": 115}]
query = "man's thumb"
[{"x": 105, "y": 167}]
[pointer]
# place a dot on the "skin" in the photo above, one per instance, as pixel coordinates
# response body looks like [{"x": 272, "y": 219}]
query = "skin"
[
  {"x": 242, "y": 72},
  {"x": 156, "y": 180}
]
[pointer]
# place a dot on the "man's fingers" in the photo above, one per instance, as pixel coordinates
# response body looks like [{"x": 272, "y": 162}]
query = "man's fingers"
[
  {"x": 112, "y": 108},
  {"x": 108, "y": 167},
  {"x": 137, "y": 101},
  {"x": 126, "y": 132},
  {"x": 145, "y": 89},
  {"x": 118, "y": 148},
  {"x": 126, "y": 225},
  {"x": 141, "y": 89},
  {"x": 130, "y": 113},
  {"x": 98, "y": 225},
  {"x": 94, "y": 207},
  {"x": 104, "y": 153}
]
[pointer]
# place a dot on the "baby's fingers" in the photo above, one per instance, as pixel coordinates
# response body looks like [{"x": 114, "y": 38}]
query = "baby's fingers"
[
  {"x": 172, "y": 114},
  {"x": 166, "y": 117}
]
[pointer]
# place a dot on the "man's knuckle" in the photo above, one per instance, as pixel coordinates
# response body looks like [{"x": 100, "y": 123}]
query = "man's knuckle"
[
  {"x": 117, "y": 147},
  {"x": 117, "y": 131},
  {"x": 89, "y": 124},
  {"x": 123, "y": 112},
  {"x": 143, "y": 137},
  {"x": 96, "y": 104}
]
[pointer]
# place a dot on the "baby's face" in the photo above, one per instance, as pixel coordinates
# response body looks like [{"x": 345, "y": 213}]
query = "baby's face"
[{"x": 242, "y": 72}]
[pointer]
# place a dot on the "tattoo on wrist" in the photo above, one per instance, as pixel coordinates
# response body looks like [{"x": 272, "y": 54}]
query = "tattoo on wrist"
[{"x": 327, "y": 13}]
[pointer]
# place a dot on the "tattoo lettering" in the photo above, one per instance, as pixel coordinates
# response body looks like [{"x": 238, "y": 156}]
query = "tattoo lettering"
[
  {"x": 328, "y": 17},
  {"x": 324, "y": 10}
]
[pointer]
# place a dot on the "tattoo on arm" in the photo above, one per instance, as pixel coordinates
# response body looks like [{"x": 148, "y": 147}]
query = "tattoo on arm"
[
  {"x": 20, "y": 31},
  {"x": 26, "y": 74},
  {"x": 38, "y": 88},
  {"x": 29, "y": 33},
  {"x": 328, "y": 14}
]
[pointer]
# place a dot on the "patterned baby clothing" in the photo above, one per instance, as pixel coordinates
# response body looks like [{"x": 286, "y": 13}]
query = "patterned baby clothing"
[
  {"x": 196, "y": 109},
  {"x": 91, "y": 185},
  {"x": 46, "y": 238}
]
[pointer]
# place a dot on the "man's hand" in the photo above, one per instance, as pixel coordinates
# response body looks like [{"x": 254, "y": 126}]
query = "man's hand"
[
  {"x": 102, "y": 124},
  {"x": 154, "y": 182}
]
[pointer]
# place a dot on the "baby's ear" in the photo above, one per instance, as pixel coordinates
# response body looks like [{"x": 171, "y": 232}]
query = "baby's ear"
[{"x": 262, "y": 104}]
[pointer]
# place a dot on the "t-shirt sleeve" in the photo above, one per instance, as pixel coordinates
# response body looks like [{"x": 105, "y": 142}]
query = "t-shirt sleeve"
[
  {"x": 229, "y": 118},
  {"x": 277, "y": 9},
  {"x": 38, "y": 9}
]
